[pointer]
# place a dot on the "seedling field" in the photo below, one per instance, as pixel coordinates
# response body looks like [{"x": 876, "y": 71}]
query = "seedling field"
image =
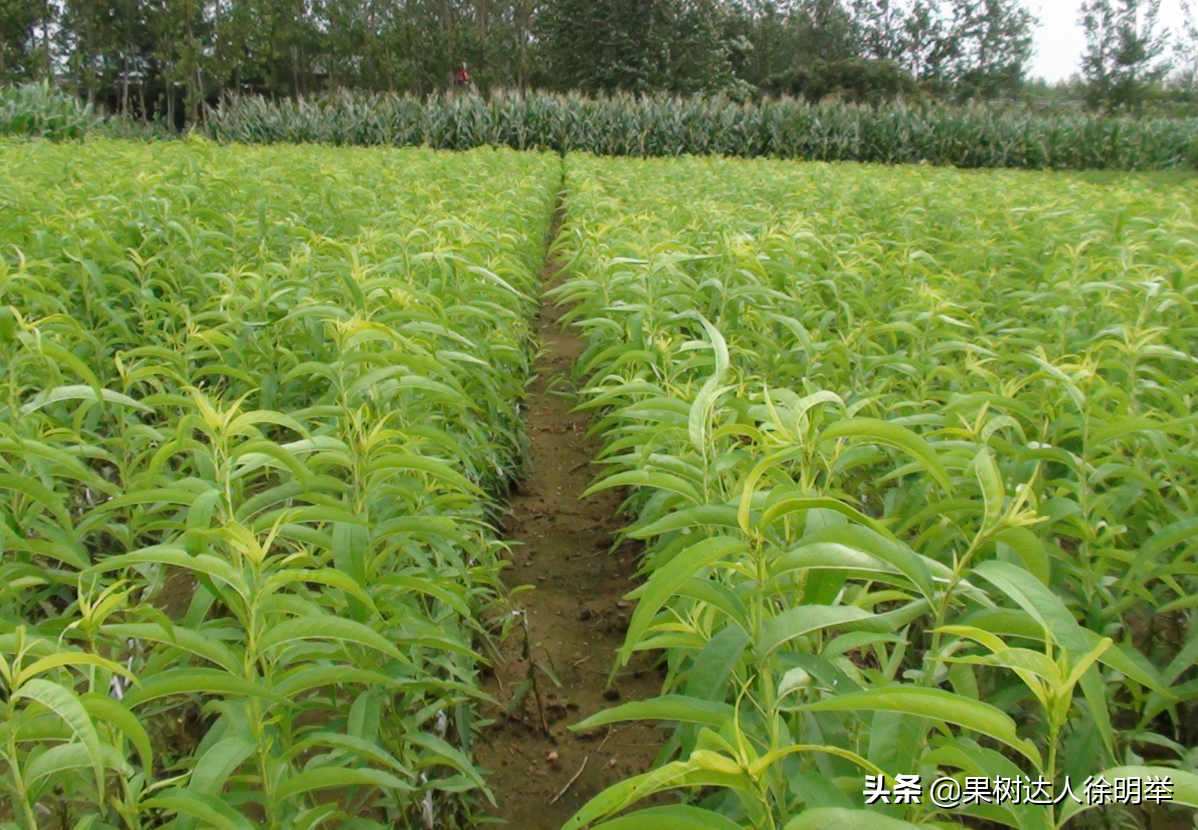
[
  {"x": 252, "y": 401},
  {"x": 910, "y": 452},
  {"x": 913, "y": 454}
]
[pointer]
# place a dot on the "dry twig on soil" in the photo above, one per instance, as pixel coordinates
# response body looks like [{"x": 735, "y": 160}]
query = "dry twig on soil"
[{"x": 570, "y": 783}]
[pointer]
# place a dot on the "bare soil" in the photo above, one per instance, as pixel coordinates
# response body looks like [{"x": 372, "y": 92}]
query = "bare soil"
[{"x": 576, "y": 617}]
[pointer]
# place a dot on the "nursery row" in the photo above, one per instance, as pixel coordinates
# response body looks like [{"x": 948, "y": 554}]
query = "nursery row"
[
  {"x": 252, "y": 403},
  {"x": 912, "y": 451}
]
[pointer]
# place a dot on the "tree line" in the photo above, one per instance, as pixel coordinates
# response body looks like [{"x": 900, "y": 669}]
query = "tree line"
[{"x": 166, "y": 58}]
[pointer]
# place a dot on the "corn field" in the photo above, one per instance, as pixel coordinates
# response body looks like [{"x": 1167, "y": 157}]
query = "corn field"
[
  {"x": 37, "y": 110},
  {"x": 911, "y": 453},
  {"x": 624, "y": 125},
  {"x": 976, "y": 136}
]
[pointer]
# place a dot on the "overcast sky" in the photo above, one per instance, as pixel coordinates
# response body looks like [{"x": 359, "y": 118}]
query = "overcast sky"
[{"x": 1060, "y": 41}]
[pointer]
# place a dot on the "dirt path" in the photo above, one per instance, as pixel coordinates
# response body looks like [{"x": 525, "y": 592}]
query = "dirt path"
[{"x": 576, "y": 615}]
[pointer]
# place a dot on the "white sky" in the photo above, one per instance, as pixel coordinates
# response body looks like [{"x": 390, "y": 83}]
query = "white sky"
[{"x": 1060, "y": 40}]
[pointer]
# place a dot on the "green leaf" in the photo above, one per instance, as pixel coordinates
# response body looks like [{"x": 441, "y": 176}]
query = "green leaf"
[
  {"x": 80, "y": 392},
  {"x": 455, "y": 758},
  {"x": 199, "y": 519},
  {"x": 204, "y": 681},
  {"x": 841, "y": 818},
  {"x": 41, "y": 494},
  {"x": 938, "y": 705},
  {"x": 916, "y": 568},
  {"x": 718, "y": 596},
  {"x": 647, "y": 478},
  {"x": 883, "y": 432},
  {"x": 321, "y": 778},
  {"x": 697, "y": 515},
  {"x": 990, "y": 481},
  {"x": 1095, "y": 692},
  {"x": 666, "y": 707},
  {"x": 1122, "y": 657},
  {"x": 212, "y": 769},
  {"x": 307, "y": 819},
  {"x": 72, "y": 756},
  {"x": 71, "y": 658},
  {"x": 70, "y": 708},
  {"x": 325, "y": 628},
  {"x": 207, "y": 808},
  {"x": 803, "y": 619},
  {"x": 320, "y": 576},
  {"x": 196, "y": 642},
  {"x": 241, "y": 423},
  {"x": 349, "y": 743},
  {"x": 665, "y": 582},
  {"x": 1127, "y": 660},
  {"x": 8, "y": 324},
  {"x": 179, "y": 558},
  {"x": 677, "y": 817},
  {"x": 714, "y": 666},
  {"x": 110, "y": 711},
  {"x": 979, "y": 761},
  {"x": 670, "y": 776},
  {"x": 700, "y": 413},
  {"x": 302, "y": 679},
  {"x": 1028, "y": 548},
  {"x": 350, "y": 552},
  {"x": 1037, "y": 600},
  {"x": 802, "y": 504}
]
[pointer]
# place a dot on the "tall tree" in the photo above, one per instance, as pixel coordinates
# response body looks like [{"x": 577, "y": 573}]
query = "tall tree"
[
  {"x": 698, "y": 52},
  {"x": 757, "y": 33},
  {"x": 825, "y": 30},
  {"x": 970, "y": 48},
  {"x": 990, "y": 45},
  {"x": 1125, "y": 46},
  {"x": 22, "y": 55},
  {"x": 927, "y": 44},
  {"x": 132, "y": 45},
  {"x": 634, "y": 45},
  {"x": 173, "y": 55},
  {"x": 87, "y": 37},
  {"x": 881, "y": 27},
  {"x": 1185, "y": 47}
]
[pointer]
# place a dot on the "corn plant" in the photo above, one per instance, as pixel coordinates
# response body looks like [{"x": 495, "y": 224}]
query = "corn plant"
[
  {"x": 626, "y": 125},
  {"x": 40, "y": 111}
]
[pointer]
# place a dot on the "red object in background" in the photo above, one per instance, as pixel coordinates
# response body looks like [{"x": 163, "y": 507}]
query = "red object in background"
[{"x": 462, "y": 78}]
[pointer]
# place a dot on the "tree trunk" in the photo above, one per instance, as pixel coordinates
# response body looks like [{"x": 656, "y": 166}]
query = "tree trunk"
[
  {"x": 47, "y": 75},
  {"x": 295, "y": 77},
  {"x": 447, "y": 27},
  {"x": 522, "y": 25},
  {"x": 195, "y": 89},
  {"x": 125, "y": 80}
]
